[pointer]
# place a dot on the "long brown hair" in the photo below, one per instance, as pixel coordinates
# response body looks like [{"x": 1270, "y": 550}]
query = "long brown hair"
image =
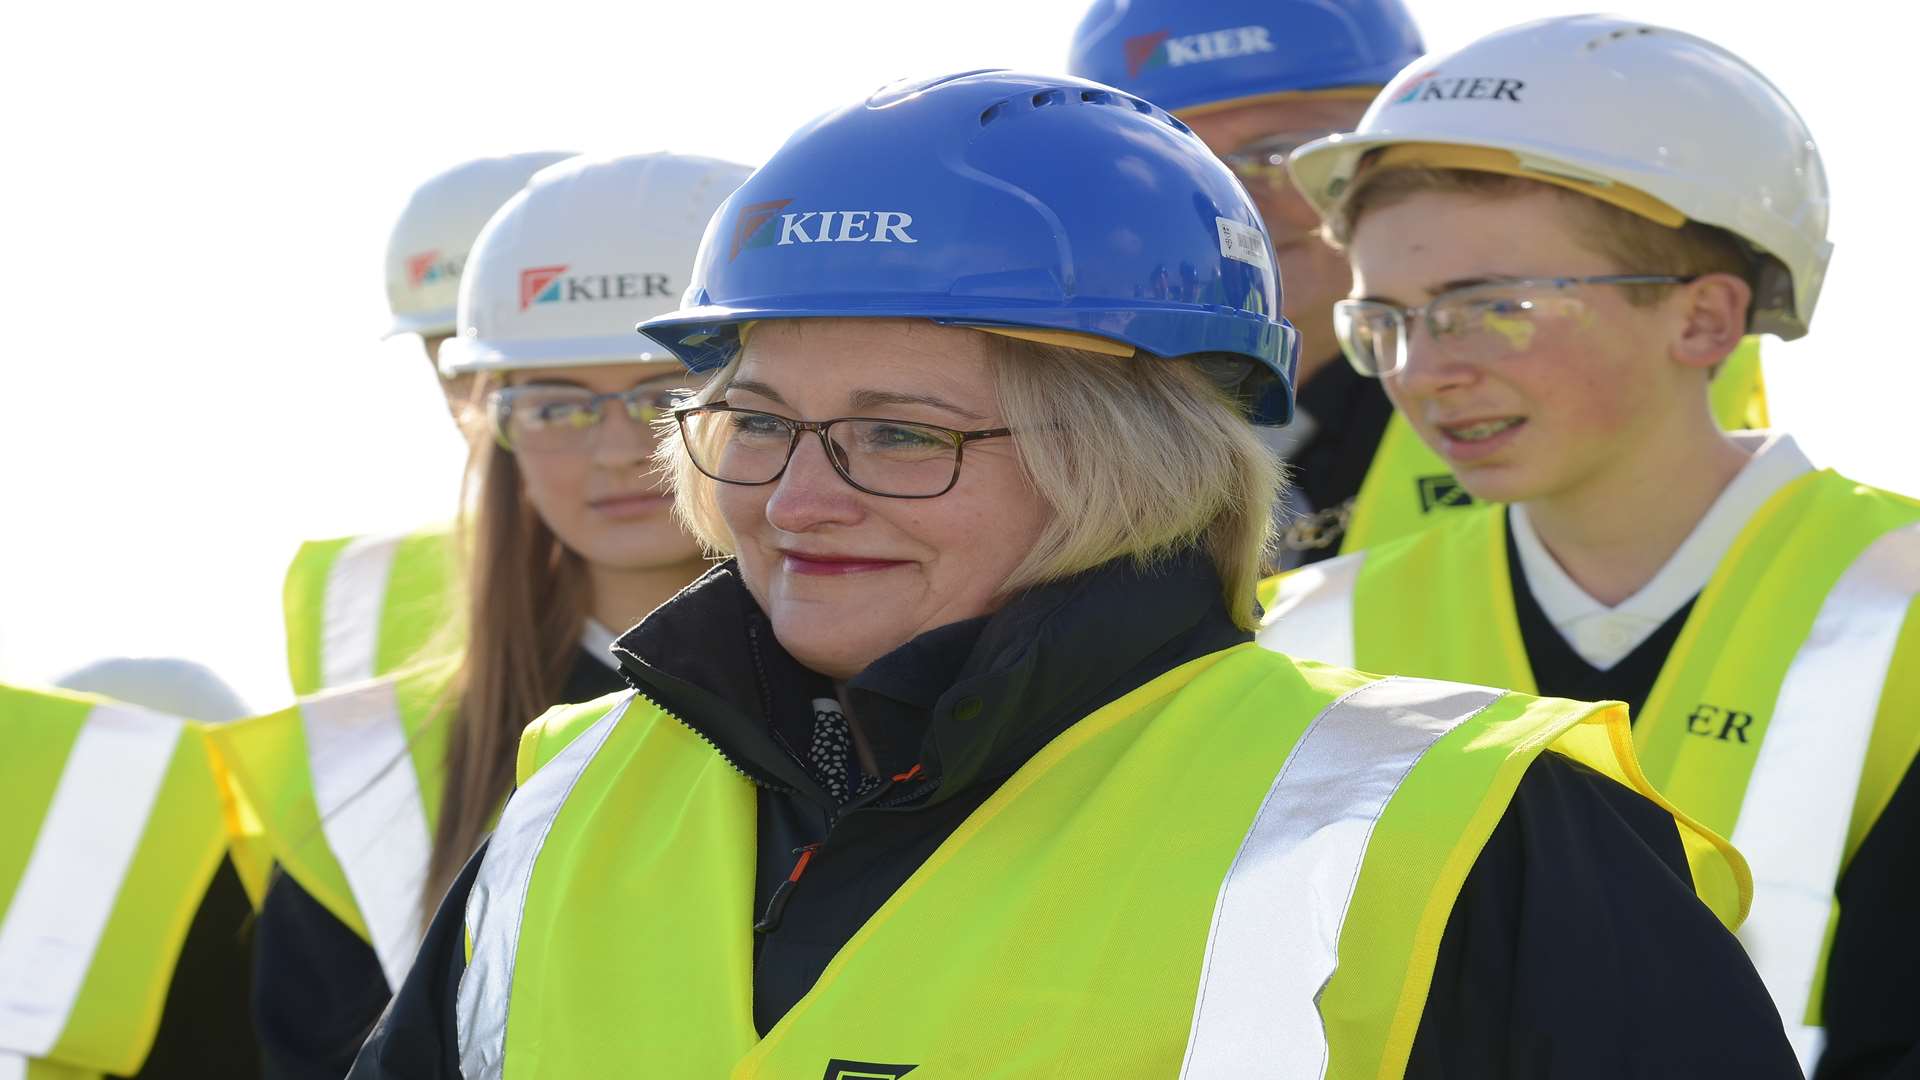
[{"x": 527, "y": 596}]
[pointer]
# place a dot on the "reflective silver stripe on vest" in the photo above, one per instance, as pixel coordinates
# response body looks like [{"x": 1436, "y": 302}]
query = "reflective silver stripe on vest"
[
  {"x": 1312, "y": 617},
  {"x": 80, "y": 857},
  {"x": 371, "y": 812},
  {"x": 1276, "y": 925},
  {"x": 499, "y": 899},
  {"x": 356, "y": 593},
  {"x": 1799, "y": 799}
]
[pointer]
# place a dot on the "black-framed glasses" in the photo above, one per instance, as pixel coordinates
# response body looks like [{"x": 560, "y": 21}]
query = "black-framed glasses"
[
  {"x": 1489, "y": 321},
  {"x": 555, "y": 418},
  {"x": 1262, "y": 164},
  {"x": 897, "y": 459}
]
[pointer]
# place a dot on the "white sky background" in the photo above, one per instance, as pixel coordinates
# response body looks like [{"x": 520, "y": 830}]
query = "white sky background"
[{"x": 199, "y": 196}]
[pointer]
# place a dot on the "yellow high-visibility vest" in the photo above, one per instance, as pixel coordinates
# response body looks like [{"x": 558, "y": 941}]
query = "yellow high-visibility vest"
[
  {"x": 14, "y": 1067},
  {"x": 112, "y": 823},
  {"x": 346, "y": 785},
  {"x": 1409, "y": 487},
  {"x": 364, "y": 606},
  {"x": 1294, "y": 909},
  {"x": 1785, "y": 716}
]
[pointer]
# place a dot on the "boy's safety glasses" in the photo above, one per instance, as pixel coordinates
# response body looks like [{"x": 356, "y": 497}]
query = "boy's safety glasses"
[{"x": 1477, "y": 322}]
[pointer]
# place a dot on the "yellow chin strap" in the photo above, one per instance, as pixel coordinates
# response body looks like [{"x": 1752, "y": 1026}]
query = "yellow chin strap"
[
  {"x": 1507, "y": 163},
  {"x": 1069, "y": 339}
]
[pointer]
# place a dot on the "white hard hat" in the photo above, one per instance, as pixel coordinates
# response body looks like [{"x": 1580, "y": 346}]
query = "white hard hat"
[
  {"x": 591, "y": 247},
  {"x": 1656, "y": 121},
  {"x": 430, "y": 242},
  {"x": 176, "y": 687}
]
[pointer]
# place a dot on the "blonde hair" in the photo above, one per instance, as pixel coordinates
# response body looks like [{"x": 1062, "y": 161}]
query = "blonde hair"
[
  {"x": 1635, "y": 244},
  {"x": 1137, "y": 458}
]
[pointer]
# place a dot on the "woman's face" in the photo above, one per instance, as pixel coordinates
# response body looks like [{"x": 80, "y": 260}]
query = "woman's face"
[
  {"x": 847, "y": 577},
  {"x": 598, "y": 493}
]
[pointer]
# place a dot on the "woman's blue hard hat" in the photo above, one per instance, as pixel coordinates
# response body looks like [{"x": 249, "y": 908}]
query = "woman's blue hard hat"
[{"x": 1004, "y": 201}]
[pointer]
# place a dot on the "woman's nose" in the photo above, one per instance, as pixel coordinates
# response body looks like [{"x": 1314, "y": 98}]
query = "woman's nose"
[{"x": 810, "y": 493}]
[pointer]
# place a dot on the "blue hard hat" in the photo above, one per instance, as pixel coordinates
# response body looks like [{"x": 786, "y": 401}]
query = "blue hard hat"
[
  {"x": 1180, "y": 54},
  {"x": 997, "y": 199}
]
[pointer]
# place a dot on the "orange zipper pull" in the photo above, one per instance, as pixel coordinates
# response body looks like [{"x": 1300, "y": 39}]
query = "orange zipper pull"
[{"x": 777, "y": 903}]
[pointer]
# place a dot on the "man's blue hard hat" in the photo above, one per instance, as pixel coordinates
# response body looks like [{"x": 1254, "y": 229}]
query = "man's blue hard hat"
[
  {"x": 1182, "y": 55},
  {"x": 1000, "y": 200}
]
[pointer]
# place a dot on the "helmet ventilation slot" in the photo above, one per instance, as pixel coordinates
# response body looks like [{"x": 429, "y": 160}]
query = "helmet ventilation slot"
[{"x": 1061, "y": 96}]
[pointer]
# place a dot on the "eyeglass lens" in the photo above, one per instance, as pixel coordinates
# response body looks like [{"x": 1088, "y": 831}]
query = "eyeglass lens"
[
  {"x": 1487, "y": 322},
  {"x": 563, "y": 418},
  {"x": 885, "y": 457},
  {"x": 1264, "y": 163}
]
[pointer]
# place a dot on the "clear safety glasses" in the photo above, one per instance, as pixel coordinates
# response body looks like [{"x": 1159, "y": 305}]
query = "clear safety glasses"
[
  {"x": 892, "y": 458},
  {"x": 547, "y": 418},
  {"x": 1262, "y": 165},
  {"x": 1477, "y": 322}
]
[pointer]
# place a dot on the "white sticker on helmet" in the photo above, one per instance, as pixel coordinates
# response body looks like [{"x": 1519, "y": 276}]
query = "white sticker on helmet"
[{"x": 1244, "y": 243}]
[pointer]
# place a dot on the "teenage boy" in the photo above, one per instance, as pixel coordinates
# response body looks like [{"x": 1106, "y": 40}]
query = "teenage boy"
[
  {"x": 1557, "y": 234},
  {"x": 1256, "y": 79}
]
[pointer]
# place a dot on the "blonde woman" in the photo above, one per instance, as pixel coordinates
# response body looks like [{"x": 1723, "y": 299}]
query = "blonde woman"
[
  {"x": 376, "y": 794},
  {"x": 965, "y": 764}
]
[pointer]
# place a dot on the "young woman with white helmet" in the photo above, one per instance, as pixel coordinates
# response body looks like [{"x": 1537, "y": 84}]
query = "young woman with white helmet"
[
  {"x": 1558, "y": 233},
  {"x": 360, "y": 606},
  {"x": 375, "y": 794}
]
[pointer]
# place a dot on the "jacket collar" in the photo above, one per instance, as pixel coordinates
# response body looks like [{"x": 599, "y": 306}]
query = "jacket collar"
[{"x": 967, "y": 703}]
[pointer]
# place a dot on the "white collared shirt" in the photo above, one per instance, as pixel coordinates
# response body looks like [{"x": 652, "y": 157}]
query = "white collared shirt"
[
  {"x": 598, "y": 640},
  {"x": 1604, "y": 636}
]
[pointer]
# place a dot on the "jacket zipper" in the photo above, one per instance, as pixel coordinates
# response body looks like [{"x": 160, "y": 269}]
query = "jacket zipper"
[
  {"x": 750, "y": 778},
  {"x": 777, "y": 903}
]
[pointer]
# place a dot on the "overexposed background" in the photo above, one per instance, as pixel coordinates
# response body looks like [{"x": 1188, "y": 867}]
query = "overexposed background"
[{"x": 200, "y": 193}]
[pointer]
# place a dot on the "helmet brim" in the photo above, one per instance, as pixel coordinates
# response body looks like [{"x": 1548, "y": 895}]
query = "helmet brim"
[
  {"x": 467, "y": 356},
  {"x": 425, "y": 323},
  {"x": 705, "y": 338}
]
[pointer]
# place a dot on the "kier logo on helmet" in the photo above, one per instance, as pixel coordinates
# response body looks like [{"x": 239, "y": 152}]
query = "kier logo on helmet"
[
  {"x": 1161, "y": 49},
  {"x": 761, "y": 224},
  {"x": 551, "y": 285},
  {"x": 428, "y": 267},
  {"x": 540, "y": 285},
  {"x": 750, "y": 224},
  {"x": 1433, "y": 86}
]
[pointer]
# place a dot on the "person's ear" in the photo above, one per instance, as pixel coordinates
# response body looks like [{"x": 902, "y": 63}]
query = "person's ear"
[{"x": 1714, "y": 319}]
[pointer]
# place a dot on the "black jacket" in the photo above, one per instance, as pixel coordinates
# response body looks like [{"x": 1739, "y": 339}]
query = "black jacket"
[
  {"x": 1576, "y": 949},
  {"x": 203, "y": 1030},
  {"x": 318, "y": 986}
]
